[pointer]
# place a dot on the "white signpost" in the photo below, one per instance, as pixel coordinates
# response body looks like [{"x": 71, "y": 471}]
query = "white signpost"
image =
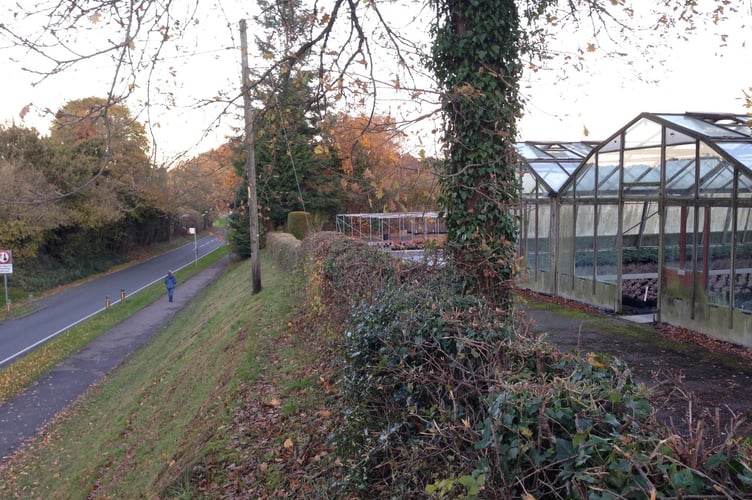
[
  {"x": 192, "y": 230},
  {"x": 6, "y": 268}
]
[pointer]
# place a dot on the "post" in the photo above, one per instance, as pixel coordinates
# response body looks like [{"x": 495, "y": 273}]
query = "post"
[
  {"x": 250, "y": 143},
  {"x": 107, "y": 302},
  {"x": 122, "y": 294},
  {"x": 7, "y": 300},
  {"x": 192, "y": 230}
]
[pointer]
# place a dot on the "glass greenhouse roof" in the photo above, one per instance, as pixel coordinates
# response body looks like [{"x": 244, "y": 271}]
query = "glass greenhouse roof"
[
  {"x": 552, "y": 163},
  {"x": 712, "y": 125},
  {"x": 690, "y": 154}
]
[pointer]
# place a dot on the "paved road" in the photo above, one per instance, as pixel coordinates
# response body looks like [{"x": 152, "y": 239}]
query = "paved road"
[
  {"x": 61, "y": 311},
  {"x": 22, "y": 417}
]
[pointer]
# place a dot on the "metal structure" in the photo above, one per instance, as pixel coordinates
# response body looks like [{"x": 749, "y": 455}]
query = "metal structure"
[
  {"x": 398, "y": 226},
  {"x": 658, "y": 217},
  {"x": 544, "y": 169}
]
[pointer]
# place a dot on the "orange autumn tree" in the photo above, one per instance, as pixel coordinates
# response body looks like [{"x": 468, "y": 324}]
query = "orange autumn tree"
[
  {"x": 203, "y": 188},
  {"x": 376, "y": 175}
]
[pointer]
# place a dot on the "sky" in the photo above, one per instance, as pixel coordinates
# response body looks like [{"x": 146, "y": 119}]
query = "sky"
[{"x": 707, "y": 72}]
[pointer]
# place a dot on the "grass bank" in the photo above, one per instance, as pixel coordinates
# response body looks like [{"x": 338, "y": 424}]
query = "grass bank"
[
  {"x": 141, "y": 432},
  {"x": 28, "y": 369}
]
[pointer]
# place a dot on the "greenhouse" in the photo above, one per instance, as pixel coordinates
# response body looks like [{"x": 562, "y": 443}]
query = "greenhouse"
[
  {"x": 545, "y": 169},
  {"x": 391, "y": 226},
  {"x": 658, "y": 219}
]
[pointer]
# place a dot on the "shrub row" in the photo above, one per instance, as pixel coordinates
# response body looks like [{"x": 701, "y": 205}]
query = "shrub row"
[{"x": 445, "y": 396}]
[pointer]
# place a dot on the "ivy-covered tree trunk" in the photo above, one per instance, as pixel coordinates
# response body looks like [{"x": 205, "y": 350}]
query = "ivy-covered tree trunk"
[{"x": 476, "y": 61}]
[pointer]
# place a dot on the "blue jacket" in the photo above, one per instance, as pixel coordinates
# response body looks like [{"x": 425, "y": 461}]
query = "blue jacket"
[{"x": 170, "y": 281}]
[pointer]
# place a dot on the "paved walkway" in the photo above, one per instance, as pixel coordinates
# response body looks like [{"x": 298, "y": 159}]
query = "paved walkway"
[{"x": 23, "y": 416}]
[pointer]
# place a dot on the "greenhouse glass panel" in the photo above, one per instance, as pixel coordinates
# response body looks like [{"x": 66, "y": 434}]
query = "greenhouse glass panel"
[
  {"x": 719, "y": 181},
  {"x": 677, "y": 274},
  {"x": 745, "y": 185},
  {"x": 529, "y": 236},
  {"x": 741, "y": 124},
  {"x": 741, "y": 151},
  {"x": 544, "y": 232},
  {"x": 529, "y": 152},
  {"x": 642, "y": 174},
  {"x": 643, "y": 133},
  {"x": 675, "y": 138},
  {"x": 583, "y": 265},
  {"x": 612, "y": 145},
  {"x": 551, "y": 173},
  {"x": 608, "y": 225},
  {"x": 566, "y": 239},
  {"x": 683, "y": 183},
  {"x": 609, "y": 167},
  {"x": 719, "y": 261},
  {"x": 743, "y": 259},
  {"x": 635, "y": 173},
  {"x": 640, "y": 224},
  {"x": 680, "y": 171},
  {"x": 676, "y": 167},
  {"x": 742, "y": 284},
  {"x": 530, "y": 188},
  {"x": 702, "y": 246},
  {"x": 584, "y": 184},
  {"x": 679, "y": 237},
  {"x": 743, "y": 236},
  {"x": 580, "y": 150},
  {"x": 700, "y": 126}
]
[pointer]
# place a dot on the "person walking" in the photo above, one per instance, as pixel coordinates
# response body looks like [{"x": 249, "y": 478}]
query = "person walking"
[{"x": 170, "y": 283}]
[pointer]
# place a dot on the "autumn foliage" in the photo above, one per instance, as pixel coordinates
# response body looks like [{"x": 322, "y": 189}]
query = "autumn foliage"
[{"x": 376, "y": 175}]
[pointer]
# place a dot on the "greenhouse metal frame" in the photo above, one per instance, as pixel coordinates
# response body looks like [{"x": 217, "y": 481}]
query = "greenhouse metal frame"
[
  {"x": 657, "y": 218},
  {"x": 379, "y": 227}
]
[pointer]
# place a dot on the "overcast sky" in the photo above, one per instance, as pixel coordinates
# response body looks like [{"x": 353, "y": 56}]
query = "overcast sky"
[{"x": 705, "y": 73}]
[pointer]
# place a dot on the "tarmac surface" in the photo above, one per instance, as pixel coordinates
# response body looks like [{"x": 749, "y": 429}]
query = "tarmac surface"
[{"x": 22, "y": 417}]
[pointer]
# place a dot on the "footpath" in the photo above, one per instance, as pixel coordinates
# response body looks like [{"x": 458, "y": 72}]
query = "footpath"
[{"x": 22, "y": 417}]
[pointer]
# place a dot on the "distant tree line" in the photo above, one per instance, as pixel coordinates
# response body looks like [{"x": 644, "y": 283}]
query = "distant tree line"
[{"x": 82, "y": 198}]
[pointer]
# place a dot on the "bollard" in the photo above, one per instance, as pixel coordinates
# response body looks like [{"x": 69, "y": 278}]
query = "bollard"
[
  {"x": 107, "y": 302},
  {"x": 122, "y": 294}
]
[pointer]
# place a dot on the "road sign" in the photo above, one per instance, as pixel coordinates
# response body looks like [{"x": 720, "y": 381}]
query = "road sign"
[{"x": 6, "y": 262}]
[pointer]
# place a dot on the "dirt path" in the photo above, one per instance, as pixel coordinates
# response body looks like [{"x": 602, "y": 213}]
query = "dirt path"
[{"x": 716, "y": 377}]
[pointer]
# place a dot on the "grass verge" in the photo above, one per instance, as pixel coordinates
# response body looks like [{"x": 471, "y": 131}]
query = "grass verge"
[
  {"x": 28, "y": 369},
  {"x": 189, "y": 409}
]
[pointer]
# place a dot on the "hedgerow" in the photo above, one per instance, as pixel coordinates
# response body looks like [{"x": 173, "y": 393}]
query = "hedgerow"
[{"x": 444, "y": 397}]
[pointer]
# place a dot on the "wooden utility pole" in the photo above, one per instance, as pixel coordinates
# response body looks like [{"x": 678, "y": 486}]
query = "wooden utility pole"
[{"x": 250, "y": 164}]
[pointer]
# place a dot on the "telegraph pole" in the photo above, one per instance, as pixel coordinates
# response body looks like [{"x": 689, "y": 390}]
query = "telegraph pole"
[{"x": 250, "y": 164}]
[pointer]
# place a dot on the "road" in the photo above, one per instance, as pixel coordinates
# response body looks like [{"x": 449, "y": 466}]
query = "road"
[{"x": 57, "y": 313}]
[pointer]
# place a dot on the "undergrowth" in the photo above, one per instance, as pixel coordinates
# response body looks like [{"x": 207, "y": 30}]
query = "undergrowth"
[{"x": 444, "y": 396}]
